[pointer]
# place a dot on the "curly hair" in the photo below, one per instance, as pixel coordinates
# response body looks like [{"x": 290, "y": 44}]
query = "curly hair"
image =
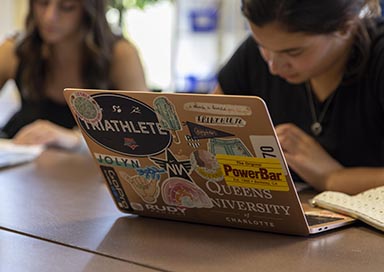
[{"x": 96, "y": 54}]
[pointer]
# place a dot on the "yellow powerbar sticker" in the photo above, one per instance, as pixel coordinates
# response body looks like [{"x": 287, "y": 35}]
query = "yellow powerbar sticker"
[{"x": 250, "y": 172}]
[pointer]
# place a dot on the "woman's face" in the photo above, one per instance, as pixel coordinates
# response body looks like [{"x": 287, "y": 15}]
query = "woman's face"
[
  {"x": 297, "y": 56},
  {"x": 58, "y": 20}
]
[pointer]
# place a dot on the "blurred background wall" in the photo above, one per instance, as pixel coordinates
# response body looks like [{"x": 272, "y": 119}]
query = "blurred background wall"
[
  {"x": 182, "y": 43},
  {"x": 12, "y": 14}
]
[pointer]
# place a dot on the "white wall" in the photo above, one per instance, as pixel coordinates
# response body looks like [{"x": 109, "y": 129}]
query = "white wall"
[
  {"x": 12, "y": 14},
  {"x": 206, "y": 34},
  {"x": 161, "y": 36},
  {"x": 6, "y": 13}
]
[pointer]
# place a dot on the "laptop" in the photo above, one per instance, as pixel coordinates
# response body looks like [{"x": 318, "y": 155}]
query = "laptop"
[{"x": 212, "y": 159}]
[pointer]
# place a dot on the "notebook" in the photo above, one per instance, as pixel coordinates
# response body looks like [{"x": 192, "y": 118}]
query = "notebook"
[
  {"x": 212, "y": 159},
  {"x": 12, "y": 154},
  {"x": 367, "y": 206}
]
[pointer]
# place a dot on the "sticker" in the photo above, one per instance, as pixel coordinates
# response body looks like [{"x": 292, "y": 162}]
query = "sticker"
[
  {"x": 115, "y": 187},
  {"x": 194, "y": 143},
  {"x": 137, "y": 206},
  {"x": 202, "y": 132},
  {"x": 267, "y": 147},
  {"x": 130, "y": 143},
  {"x": 162, "y": 209},
  {"x": 229, "y": 147},
  {"x": 206, "y": 165},
  {"x": 127, "y": 126},
  {"x": 168, "y": 116},
  {"x": 229, "y": 121},
  {"x": 180, "y": 192},
  {"x": 150, "y": 172},
  {"x": 221, "y": 109},
  {"x": 86, "y": 107},
  {"x": 116, "y": 161},
  {"x": 174, "y": 167},
  {"x": 147, "y": 189},
  {"x": 253, "y": 172}
]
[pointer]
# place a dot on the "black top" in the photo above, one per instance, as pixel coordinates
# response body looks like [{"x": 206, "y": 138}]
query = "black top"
[
  {"x": 30, "y": 111},
  {"x": 353, "y": 127}
]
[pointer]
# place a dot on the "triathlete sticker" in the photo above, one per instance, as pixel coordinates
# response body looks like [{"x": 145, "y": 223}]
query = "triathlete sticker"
[
  {"x": 253, "y": 172},
  {"x": 121, "y": 124}
]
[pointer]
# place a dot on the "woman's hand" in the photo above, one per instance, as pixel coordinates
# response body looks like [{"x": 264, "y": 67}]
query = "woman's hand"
[
  {"x": 42, "y": 132},
  {"x": 306, "y": 156}
]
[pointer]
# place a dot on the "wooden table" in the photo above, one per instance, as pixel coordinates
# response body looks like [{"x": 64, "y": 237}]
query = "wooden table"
[
  {"x": 24, "y": 253},
  {"x": 61, "y": 203}
]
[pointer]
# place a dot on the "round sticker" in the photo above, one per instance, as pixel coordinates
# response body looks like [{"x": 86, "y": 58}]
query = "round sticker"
[{"x": 86, "y": 107}]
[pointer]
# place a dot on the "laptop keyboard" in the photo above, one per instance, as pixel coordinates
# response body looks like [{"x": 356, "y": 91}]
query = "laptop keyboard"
[{"x": 316, "y": 219}]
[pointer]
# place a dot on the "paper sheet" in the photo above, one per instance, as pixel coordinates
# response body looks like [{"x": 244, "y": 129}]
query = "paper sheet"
[{"x": 12, "y": 154}]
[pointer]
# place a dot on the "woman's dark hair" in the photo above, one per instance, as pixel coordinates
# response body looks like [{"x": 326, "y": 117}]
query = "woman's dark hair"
[
  {"x": 96, "y": 56},
  {"x": 319, "y": 17}
]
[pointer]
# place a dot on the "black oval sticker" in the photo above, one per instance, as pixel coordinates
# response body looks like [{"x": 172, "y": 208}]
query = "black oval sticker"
[{"x": 126, "y": 126}]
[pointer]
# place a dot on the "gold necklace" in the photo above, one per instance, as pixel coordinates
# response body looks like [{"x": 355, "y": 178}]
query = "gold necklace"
[{"x": 316, "y": 126}]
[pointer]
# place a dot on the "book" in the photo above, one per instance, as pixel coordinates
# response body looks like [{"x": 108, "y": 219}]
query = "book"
[
  {"x": 12, "y": 154},
  {"x": 367, "y": 206}
]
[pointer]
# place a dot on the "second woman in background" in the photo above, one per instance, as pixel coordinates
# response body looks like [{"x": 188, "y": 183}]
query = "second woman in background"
[{"x": 67, "y": 43}]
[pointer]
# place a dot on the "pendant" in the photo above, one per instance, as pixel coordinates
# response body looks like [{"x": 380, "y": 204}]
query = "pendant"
[{"x": 316, "y": 128}]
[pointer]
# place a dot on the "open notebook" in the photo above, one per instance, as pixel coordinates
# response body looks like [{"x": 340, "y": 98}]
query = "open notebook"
[
  {"x": 194, "y": 157},
  {"x": 367, "y": 206},
  {"x": 12, "y": 154}
]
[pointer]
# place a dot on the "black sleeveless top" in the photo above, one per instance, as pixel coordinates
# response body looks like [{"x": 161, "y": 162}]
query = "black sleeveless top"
[{"x": 31, "y": 111}]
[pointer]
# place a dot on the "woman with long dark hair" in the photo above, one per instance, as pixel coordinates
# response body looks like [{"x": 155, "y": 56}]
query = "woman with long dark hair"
[
  {"x": 66, "y": 43},
  {"x": 319, "y": 65}
]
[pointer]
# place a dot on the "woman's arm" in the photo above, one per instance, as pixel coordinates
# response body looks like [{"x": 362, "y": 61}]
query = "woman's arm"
[
  {"x": 355, "y": 180},
  {"x": 127, "y": 71},
  {"x": 313, "y": 164},
  {"x": 8, "y": 61},
  {"x": 217, "y": 90},
  {"x": 42, "y": 132}
]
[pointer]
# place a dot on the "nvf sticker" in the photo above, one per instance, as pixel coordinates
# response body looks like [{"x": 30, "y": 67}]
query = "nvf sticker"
[{"x": 253, "y": 172}]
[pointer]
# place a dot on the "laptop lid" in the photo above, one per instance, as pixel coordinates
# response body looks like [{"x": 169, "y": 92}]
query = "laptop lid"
[{"x": 212, "y": 159}]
